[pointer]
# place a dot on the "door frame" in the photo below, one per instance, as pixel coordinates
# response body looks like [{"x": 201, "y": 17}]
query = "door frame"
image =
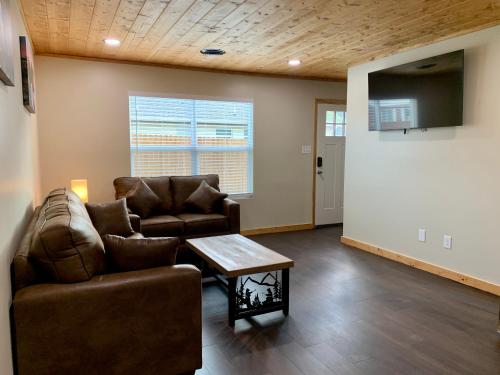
[{"x": 315, "y": 141}]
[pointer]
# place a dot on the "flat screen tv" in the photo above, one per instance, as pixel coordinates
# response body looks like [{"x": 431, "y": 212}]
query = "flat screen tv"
[{"x": 423, "y": 94}]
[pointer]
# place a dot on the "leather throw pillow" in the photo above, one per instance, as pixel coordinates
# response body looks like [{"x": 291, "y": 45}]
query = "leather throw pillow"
[
  {"x": 133, "y": 254},
  {"x": 110, "y": 218},
  {"x": 205, "y": 198},
  {"x": 142, "y": 200}
]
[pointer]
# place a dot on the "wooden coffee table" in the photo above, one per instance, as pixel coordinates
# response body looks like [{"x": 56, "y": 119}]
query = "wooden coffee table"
[{"x": 238, "y": 258}]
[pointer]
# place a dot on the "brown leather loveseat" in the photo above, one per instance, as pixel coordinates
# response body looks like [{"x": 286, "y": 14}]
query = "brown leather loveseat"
[
  {"x": 70, "y": 316},
  {"x": 172, "y": 216}
]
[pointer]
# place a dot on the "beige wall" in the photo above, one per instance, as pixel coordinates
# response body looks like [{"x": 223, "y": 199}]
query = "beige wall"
[
  {"x": 84, "y": 132},
  {"x": 446, "y": 180},
  {"x": 18, "y": 182}
]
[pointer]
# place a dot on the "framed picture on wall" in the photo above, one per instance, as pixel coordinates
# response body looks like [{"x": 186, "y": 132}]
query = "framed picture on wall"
[
  {"x": 27, "y": 74},
  {"x": 6, "y": 64}
]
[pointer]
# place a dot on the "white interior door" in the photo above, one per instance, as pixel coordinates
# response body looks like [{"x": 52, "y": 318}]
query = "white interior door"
[{"x": 330, "y": 156}]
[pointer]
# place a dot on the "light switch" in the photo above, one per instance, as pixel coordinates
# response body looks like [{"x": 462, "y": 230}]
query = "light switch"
[{"x": 306, "y": 149}]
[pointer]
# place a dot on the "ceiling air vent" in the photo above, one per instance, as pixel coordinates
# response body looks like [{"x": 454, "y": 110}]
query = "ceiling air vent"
[{"x": 212, "y": 51}]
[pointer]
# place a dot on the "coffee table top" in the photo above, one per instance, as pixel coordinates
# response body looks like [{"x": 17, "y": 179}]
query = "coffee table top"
[{"x": 234, "y": 255}]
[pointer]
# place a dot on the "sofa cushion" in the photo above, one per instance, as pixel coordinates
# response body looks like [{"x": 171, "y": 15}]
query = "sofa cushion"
[
  {"x": 195, "y": 223},
  {"x": 110, "y": 217},
  {"x": 205, "y": 198},
  {"x": 23, "y": 270},
  {"x": 184, "y": 186},
  {"x": 133, "y": 254},
  {"x": 65, "y": 246},
  {"x": 162, "y": 226},
  {"x": 160, "y": 186}
]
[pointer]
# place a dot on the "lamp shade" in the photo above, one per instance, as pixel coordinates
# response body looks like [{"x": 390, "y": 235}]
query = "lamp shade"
[{"x": 80, "y": 189}]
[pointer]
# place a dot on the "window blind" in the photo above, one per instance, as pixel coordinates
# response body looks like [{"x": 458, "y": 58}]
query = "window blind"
[{"x": 175, "y": 137}]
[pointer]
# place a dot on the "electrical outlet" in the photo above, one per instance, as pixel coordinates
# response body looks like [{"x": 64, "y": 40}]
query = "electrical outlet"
[
  {"x": 421, "y": 235},
  {"x": 447, "y": 241}
]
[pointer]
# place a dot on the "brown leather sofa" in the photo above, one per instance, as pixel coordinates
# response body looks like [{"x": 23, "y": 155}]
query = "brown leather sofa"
[
  {"x": 69, "y": 316},
  {"x": 173, "y": 217}
]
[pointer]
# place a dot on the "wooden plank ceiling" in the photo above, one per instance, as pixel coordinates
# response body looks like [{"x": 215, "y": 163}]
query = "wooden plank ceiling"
[{"x": 258, "y": 35}]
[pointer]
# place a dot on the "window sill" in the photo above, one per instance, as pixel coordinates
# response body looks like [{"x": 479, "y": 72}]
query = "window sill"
[{"x": 241, "y": 196}]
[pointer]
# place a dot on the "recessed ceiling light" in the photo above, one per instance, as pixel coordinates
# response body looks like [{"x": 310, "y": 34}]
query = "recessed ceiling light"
[
  {"x": 294, "y": 62},
  {"x": 112, "y": 42},
  {"x": 212, "y": 51}
]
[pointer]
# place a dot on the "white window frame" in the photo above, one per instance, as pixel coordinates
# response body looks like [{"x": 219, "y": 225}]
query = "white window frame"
[
  {"x": 335, "y": 123},
  {"x": 194, "y": 149}
]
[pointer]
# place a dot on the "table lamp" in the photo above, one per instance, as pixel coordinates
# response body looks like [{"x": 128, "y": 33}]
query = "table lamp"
[{"x": 80, "y": 189}]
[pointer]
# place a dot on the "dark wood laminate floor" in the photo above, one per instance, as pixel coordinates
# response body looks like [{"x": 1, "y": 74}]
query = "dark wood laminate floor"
[{"x": 354, "y": 313}]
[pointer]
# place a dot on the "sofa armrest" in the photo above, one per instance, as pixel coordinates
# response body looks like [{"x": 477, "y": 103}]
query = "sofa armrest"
[
  {"x": 231, "y": 209},
  {"x": 135, "y": 221},
  {"x": 146, "y": 322}
]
